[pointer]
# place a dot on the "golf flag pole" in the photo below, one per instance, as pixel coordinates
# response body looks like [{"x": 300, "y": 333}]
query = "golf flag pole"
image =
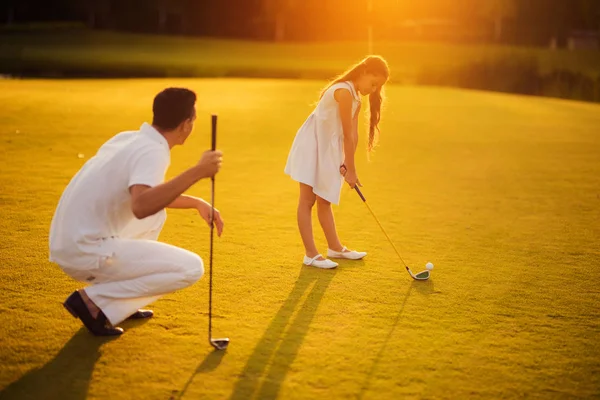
[{"x": 370, "y": 26}]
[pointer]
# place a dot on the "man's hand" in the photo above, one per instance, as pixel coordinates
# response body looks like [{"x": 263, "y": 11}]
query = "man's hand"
[
  {"x": 146, "y": 200},
  {"x": 204, "y": 209},
  {"x": 209, "y": 164}
]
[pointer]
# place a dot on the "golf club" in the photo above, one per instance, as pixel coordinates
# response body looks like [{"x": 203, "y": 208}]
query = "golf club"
[
  {"x": 220, "y": 343},
  {"x": 421, "y": 276}
]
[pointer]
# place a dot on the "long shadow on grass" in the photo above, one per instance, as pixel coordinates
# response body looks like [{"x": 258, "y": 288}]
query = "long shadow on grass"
[
  {"x": 425, "y": 288},
  {"x": 66, "y": 376},
  {"x": 275, "y": 352},
  {"x": 210, "y": 363}
]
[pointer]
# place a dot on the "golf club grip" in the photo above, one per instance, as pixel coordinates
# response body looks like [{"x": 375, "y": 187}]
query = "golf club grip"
[
  {"x": 214, "y": 133},
  {"x": 360, "y": 193}
]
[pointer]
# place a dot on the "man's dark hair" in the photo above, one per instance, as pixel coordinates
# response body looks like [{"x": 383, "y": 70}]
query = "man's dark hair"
[{"x": 172, "y": 106}]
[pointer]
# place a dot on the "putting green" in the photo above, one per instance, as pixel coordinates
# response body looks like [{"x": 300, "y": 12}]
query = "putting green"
[{"x": 500, "y": 192}]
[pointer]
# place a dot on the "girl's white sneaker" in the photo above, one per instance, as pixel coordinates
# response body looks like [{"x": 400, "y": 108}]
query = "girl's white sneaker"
[
  {"x": 313, "y": 262},
  {"x": 347, "y": 254}
]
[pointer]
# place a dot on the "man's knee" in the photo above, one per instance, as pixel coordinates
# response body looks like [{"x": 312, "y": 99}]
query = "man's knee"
[{"x": 193, "y": 268}]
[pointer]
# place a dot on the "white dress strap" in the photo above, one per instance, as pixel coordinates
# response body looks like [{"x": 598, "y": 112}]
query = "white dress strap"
[
  {"x": 345, "y": 85},
  {"x": 353, "y": 91}
]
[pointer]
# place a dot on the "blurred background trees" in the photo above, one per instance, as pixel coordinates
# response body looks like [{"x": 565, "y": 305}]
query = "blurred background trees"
[{"x": 520, "y": 22}]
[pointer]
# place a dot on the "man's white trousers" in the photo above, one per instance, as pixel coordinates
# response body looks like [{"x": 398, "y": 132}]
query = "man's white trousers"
[{"x": 139, "y": 271}]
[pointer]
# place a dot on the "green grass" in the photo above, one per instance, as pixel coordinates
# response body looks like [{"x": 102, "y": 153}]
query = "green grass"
[
  {"x": 500, "y": 192},
  {"x": 118, "y": 54}
]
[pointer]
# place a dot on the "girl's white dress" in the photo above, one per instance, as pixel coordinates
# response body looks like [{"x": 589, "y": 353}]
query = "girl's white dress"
[{"x": 318, "y": 149}]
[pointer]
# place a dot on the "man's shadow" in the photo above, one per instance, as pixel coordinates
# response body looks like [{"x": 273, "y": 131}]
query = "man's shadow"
[
  {"x": 66, "y": 376},
  {"x": 272, "y": 357}
]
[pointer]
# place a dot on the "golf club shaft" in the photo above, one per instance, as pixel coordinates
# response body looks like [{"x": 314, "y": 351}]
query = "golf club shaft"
[
  {"x": 381, "y": 226},
  {"x": 212, "y": 210}
]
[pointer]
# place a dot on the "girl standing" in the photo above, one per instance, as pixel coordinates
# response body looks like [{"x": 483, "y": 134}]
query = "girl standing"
[{"x": 322, "y": 154}]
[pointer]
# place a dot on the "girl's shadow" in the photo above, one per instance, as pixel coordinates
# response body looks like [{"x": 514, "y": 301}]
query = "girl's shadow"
[{"x": 268, "y": 365}]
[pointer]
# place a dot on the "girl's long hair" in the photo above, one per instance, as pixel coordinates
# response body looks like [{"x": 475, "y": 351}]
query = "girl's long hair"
[{"x": 375, "y": 65}]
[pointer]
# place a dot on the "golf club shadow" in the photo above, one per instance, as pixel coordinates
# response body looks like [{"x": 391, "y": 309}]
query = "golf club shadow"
[
  {"x": 66, "y": 376},
  {"x": 423, "y": 287},
  {"x": 275, "y": 352},
  {"x": 210, "y": 363},
  {"x": 367, "y": 381}
]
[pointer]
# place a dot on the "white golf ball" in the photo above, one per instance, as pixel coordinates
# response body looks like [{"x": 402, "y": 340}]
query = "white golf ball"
[{"x": 429, "y": 266}]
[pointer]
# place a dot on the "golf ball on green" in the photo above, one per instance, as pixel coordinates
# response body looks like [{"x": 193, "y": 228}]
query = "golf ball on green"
[{"x": 429, "y": 266}]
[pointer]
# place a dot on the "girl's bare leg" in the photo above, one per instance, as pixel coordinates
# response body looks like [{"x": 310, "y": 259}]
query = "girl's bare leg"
[
  {"x": 305, "y": 205},
  {"x": 327, "y": 221}
]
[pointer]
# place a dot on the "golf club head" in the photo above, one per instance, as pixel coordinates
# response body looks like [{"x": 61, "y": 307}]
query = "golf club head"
[
  {"x": 220, "y": 344},
  {"x": 421, "y": 276}
]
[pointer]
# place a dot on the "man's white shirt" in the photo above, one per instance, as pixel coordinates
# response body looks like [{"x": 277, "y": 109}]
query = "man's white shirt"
[{"x": 97, "y": 204}]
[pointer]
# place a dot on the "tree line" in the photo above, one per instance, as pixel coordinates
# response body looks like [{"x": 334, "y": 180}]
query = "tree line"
[{"x": 527, "y": 22}]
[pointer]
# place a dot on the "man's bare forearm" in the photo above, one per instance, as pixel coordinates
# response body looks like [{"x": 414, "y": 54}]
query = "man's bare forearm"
[
  {"x": 154, "y": 199},
  {"x": 185, "y": 201}
]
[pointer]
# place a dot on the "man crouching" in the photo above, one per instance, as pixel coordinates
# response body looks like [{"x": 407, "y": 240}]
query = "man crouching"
[{"x": 105, "y": 229}]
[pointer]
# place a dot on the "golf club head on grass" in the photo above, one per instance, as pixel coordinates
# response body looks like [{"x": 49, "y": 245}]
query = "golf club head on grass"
[
  {"x": 220, "y": 344},
  {"x": 421, "y": 276}
]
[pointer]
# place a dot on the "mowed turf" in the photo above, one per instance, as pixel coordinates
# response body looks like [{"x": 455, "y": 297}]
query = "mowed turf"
[{"x": 500, "y": 192}]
